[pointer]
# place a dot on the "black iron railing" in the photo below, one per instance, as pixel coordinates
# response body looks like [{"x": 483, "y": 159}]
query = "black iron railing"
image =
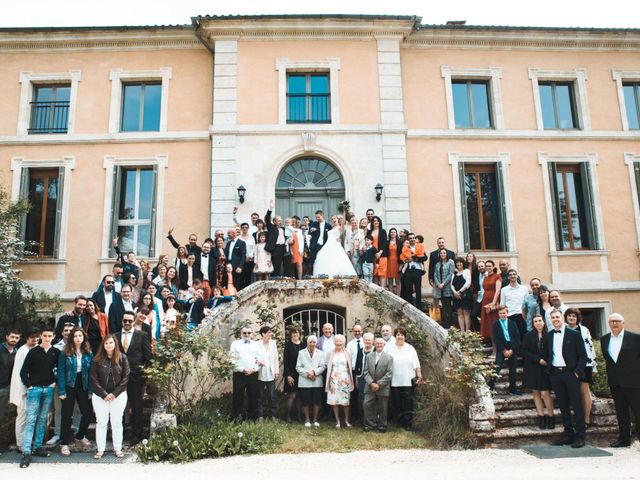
[
  {"x": 308, "y": 108},
  {"x": 49, "y": 117}
]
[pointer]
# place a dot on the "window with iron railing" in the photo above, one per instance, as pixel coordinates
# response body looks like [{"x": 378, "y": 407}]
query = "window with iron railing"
[
  {"x": 50, "y": 109},
  {"x": 308, "y": 98}
]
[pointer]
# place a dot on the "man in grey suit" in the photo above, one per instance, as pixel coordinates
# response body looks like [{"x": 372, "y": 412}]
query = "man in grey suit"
[{"x": 377, "y": 375}]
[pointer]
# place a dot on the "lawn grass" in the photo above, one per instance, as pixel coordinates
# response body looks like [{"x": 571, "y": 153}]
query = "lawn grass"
[{"x": 297, "y": 439}]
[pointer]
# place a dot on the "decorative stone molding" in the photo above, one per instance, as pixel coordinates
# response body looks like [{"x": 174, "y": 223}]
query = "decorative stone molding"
[
  {"x": 308, "y": 141},
  {"x": 117, "y": 75},
  {"x": 502, "y": 162},
  {"x": 492, "y": 74},
  {"x": 578, "y": 76},
  {"x": 620, "y": 76},
  {"x": 330, "y": 65},
  {"x": 29, "y": 79}
]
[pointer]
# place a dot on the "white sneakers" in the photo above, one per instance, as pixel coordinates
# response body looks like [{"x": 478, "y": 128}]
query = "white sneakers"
[
  {"x": 307, "y": 425},
  {"x": 53, "y": 440}
]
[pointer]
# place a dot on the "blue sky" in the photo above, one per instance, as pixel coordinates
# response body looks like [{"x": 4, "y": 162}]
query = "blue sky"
[{"x": 553, "y": 13}]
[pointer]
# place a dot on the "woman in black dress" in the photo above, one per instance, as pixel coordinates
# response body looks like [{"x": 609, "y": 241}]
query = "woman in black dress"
[
  {"x": 291, "y": 349},
  {"x": 536, "y": 378},
  {"x": 461, "y": 290}
]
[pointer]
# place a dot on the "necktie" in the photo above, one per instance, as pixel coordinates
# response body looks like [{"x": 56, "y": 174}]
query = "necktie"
[
  {"x": 126, "y": 342},
  {"x": 359, "y": 357},
  {"x": 247, "y": 341}
]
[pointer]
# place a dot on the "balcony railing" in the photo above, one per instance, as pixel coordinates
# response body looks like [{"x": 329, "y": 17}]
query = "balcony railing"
[
  {"x": 49, "y": 117},
  {"x": 309, "y": 108}
]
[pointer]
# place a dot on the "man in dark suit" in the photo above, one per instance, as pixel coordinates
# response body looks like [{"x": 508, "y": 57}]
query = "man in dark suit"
[
  {"x": 434, "y": 258},
  {"x": 378, "y": 368},
  {"x": 136, "y": 345},
  {"x": 319, "y": 231},
  {"x": 621, "y": 352},
  {"x": 236, "y": 252},
  {"x": 75, "y": 316},
  {"x": 276, "y": 241},
  {"x": 192, "y": 246},
  {"x": 118, "y": 307},
  {"x": 506, "y": 338},
  {"x": 105, "y": 295},
  {"x": 566, "y": 360}
]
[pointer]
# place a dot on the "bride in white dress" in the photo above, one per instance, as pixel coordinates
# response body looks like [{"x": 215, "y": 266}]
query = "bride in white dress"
[{"x": 332, "y": 260}]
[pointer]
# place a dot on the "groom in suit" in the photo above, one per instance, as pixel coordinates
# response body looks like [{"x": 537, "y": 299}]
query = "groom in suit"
[
  {"x": 378, "y": 368},
  {"x": 319, "y": 231},
  {"x": 275, "y": 240},
  {"x": 621, "y": 351},
  {"x": 566, "y": 360},
  {"x": 236, "y": 251}
]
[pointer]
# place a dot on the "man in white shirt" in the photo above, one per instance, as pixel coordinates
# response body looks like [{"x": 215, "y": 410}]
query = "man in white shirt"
[
  {"x": 18, "y": 390},
  {"x": 512, "y": 296},
  {"x": 556, "y": 303},
  {"x": 386, "y": 332},
  {"x": 567, "y": 359},
  {"x": 356, "y": 348},
  {"x": 325, "y": 343},
  {"x": 244, "y": 354}
]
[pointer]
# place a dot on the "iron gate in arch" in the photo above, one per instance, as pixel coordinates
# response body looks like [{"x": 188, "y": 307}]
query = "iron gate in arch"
[{"x": 312, "y": 318}]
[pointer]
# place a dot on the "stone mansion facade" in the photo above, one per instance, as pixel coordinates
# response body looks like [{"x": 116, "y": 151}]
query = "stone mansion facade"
[{"x": 517, "y": 143}]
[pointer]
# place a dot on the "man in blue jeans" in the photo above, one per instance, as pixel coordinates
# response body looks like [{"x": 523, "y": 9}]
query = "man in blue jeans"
[{"x": 38, "y": 375}]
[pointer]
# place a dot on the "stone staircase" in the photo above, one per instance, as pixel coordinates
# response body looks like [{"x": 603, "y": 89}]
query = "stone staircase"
[{"x": 512, "y": 421}]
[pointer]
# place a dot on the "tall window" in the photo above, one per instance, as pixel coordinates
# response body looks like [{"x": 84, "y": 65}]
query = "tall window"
[
  {"x": 632, "y": 103},
  {"x": 483, "y": 207},
  {"x": 41, "y": 221},
  {"x": 557, "y": 101},
  {"x": 471, "y": 104},
  {"x": 134, "y": 209},
  {"x": 50, "y": 109},
  {"x": 308, "y": 98},
  {"x": 573, "y": 206},
  {"x": 141, "y": 104}
]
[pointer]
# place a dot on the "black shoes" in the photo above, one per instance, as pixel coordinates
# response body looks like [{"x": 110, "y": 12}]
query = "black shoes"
[
  {"x": 542, "y": 422},
  {"x": 26, "y": 461},
  {"x": 514, "y": 393},
  {"x": 551, "y": 422},
  {"x": 565, "y": 441},
  {"x": 620, "y": 443},
  {"x": 578, "y": 443},
  {"x": 382, "y": 430},
  {"x": 366, "y": 429},
  {"x": 41, "y": 452}
]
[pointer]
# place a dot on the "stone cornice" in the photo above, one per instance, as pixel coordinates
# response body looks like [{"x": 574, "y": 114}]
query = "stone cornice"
[
  {"x": 93, "y": 39},
  {"x": 303, "y": 28},
  {"x": 524, "y": 39}
]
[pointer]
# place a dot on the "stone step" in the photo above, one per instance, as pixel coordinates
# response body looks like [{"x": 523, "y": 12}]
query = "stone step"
[
  {"x": 521, "y": 417},
  {"x": 506, "y": 402},
  {"x": 522, "y": 435}
]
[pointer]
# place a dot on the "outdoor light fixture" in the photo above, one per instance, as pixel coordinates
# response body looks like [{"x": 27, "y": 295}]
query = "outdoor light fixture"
[
  {"x": 241, "y": 192},
  {"x": 378, "y": 189}
]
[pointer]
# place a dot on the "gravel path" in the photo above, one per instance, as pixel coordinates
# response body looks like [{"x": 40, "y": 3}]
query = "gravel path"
[{"x": 390, "y": 464}]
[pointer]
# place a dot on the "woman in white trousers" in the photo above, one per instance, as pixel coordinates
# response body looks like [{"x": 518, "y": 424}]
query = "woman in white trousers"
[{"x": 109, "y": 378}]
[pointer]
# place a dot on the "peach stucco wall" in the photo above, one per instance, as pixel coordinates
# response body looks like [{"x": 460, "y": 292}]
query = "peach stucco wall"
[
  {"x": 258, "y": 77},
  {"x": 424, "y": 85},
  {"x": 189, "y": 106}
]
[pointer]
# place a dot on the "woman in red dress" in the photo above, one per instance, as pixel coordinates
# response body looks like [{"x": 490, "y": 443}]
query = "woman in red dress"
[
  {"x": 392, "y": 253},
  {"x": 490, "y": 300}
]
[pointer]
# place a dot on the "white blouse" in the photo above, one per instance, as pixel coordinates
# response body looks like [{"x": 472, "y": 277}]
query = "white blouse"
[{"x": 405, "y": 362}]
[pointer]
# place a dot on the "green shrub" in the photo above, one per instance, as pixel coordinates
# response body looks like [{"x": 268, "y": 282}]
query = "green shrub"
[
  {"x": 600, "y": 387},
  {"x": 215, "y": 437}
]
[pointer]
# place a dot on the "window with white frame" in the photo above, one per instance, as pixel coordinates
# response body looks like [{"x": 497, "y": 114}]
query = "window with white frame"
[
  {"x": 474, "y": 98},
  {"x": 133, "y": 204},
  {"x": 628, "y": 88},
  {"x": 560, "y": 99},
  {"x": 48, "y": 102},
  {"x": 308, "y": 91},
  {"x": 139, "y": 100},
  {"x": 484, "y": 219},
  {"x": 632, "y": 161},
  {"x": 573, "y": 203},
  {"x": 45, "y": 184}
]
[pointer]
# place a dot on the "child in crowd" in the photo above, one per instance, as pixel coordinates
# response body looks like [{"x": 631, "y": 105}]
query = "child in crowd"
[
  {"x": 368, "y": 258},
  {"x": 263, "y": 267}
]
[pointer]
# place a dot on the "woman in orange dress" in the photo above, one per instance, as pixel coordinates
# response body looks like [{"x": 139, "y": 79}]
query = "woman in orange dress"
[
  {"x": 392, "y": 254},
  {"x": 379, "y": 236},
  {"x": 490, "y": 300},
  {"x": 296, "y": 256}
]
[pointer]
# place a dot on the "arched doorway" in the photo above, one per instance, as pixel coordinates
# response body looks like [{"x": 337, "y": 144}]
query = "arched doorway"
[{"x": 308, "y": 184}]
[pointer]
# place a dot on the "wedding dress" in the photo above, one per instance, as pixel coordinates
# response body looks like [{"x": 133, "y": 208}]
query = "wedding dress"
[{"x": 332, "y": 260}]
